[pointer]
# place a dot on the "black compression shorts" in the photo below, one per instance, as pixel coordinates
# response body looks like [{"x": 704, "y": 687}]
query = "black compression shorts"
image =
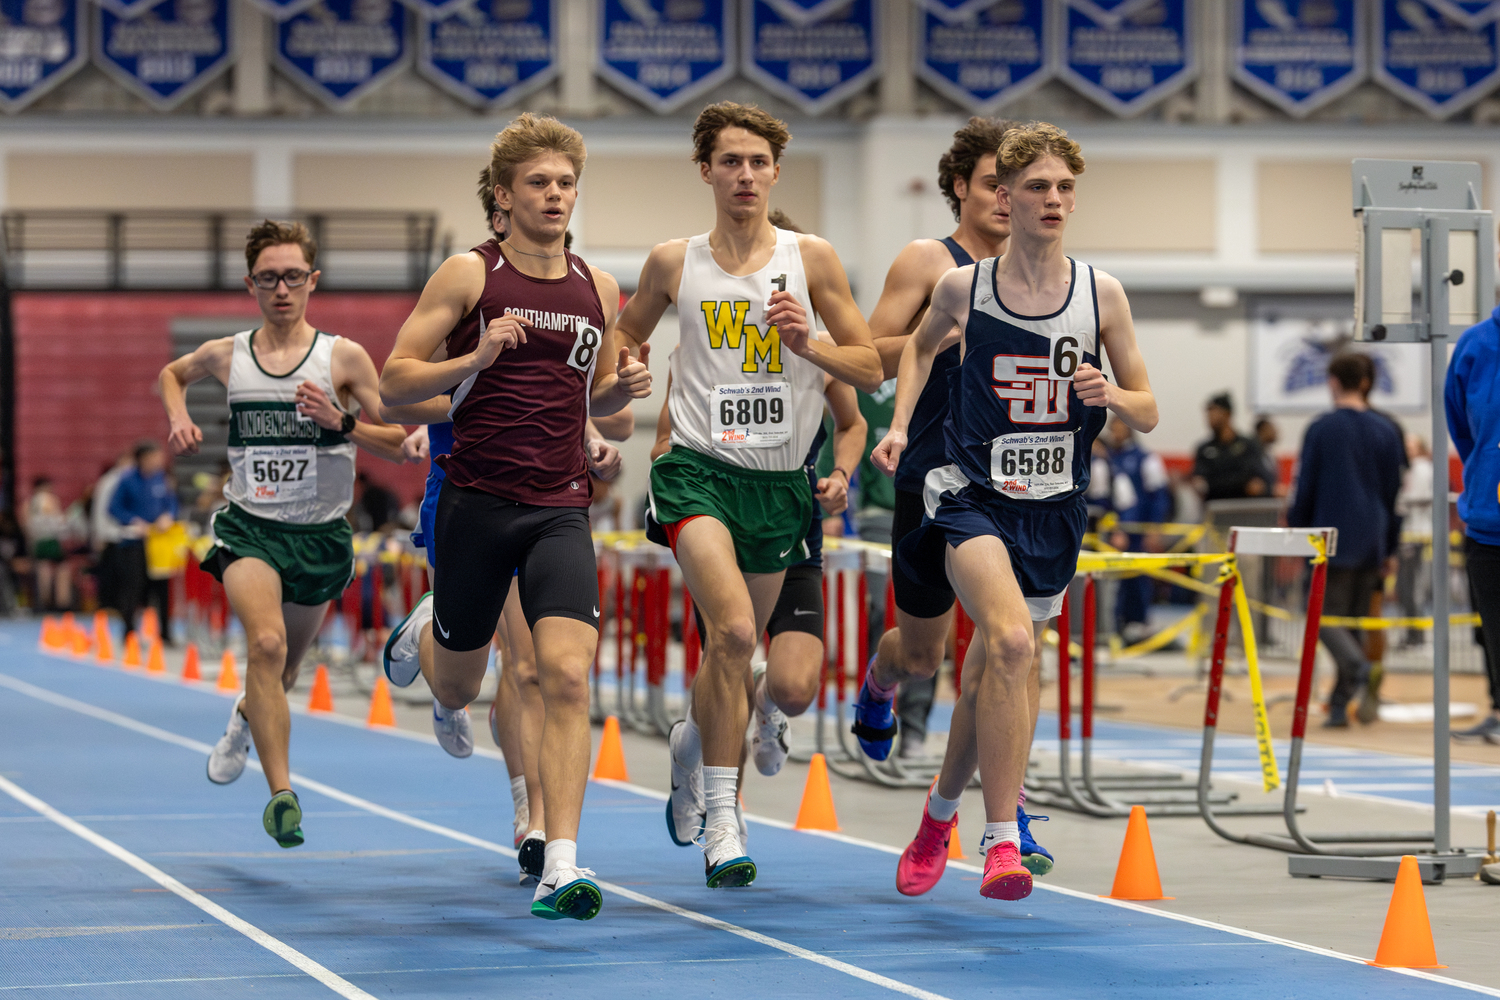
[
  {"x": 800, "y": 606},
  {"x": 479, "y": 542},
  {"x": 912, "y": 597}
]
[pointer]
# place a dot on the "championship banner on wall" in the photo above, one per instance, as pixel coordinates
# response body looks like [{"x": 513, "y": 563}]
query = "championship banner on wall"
[
  {"x": 960, "y": 10},
  {"x": 664, "y": 53},
  {"x": 1470, "y": 13},
  {"x": 1432, "y": 59},
  {"x": 1127, "y": 54},
  {"x": 1299, "y": 61},
  {"x": 278, "y": 9},
  {"x": 41, "y": 45},
  {"x": 985, "y": 58},
  {"x": 168, "y": 52},
  {"x": 489, "y": 52},
  {"x": 340, "y": 50},
  {"x": 813, "y": 64}
]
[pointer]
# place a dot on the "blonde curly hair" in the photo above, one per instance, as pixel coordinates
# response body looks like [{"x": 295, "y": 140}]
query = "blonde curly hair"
[{"x": 1023, "y": 145}]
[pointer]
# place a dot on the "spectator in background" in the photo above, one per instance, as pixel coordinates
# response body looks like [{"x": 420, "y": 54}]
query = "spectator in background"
[
  {"x": 1348, "y": 477},
  {"x": 1150, "y": 497},
  {"x": 143, "y": 500},
  {"x": 46, "y": 526},
  {"x": 105, "y": 532},
  {"x": 375, "y": 507},
  {"x": 1266, "y": 436},
  {"x": 1228, "y": 466},
  {"x": 1470, "y": 397},
  {"x": 1415, "y": 508}
]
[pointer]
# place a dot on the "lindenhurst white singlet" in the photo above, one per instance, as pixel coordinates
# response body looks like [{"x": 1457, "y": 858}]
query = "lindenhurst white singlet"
[
  {"x": 284, "y": 467},
  {"x": 736, "y": 395}
]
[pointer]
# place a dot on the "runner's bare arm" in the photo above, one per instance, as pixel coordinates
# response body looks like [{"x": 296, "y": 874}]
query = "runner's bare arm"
[
  {"x": 409, "y": 375},
  {"x": 849, "y": 433},
  {"x": 617, "y": 426},
  {"x": 946, "y": 315},
  {"x": 907, "y": 284},
  {"x": 429, "y": 411},
  {"x": 604, "y": 458},
  {"x": 212, "y": 358},
  {"x": 354, "y": 376},
  {"x": 656, "y": 290},
  {"x": 663, "y": 442},
  {"x": 853, "y": 358},
  {"x": 1130, "y": 395},
  {"x": 617, "y": 377}
]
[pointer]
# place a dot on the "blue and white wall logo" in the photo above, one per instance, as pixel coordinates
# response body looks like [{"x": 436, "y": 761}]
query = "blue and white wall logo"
[
  {"x": 1433, "y": 59},
  {"x": 664, "y": 53},
  {"x": 278, "y": 9},
  {"x": 167, "y": 52},
  {"x": 984, "y": 58},
  {"x": 1127, "y": 54},
  {"x": 41, "y": 45},
  {"x": 1299, "y": 56},
  {"x": 1472, "y": 13},
  {"x": 490, "y": 52},
  {"x": 812, "y": 63},
  {"x": 339, "y": 50}
]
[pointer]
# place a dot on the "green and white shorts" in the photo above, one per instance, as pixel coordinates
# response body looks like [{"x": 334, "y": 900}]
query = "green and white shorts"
[
  {"x": 767, "y": 513},
  {"x": 315, "y": 561}
]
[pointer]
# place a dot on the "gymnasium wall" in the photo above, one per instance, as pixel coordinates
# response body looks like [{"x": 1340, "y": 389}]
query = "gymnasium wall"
[{"x": 87, "y": 365}]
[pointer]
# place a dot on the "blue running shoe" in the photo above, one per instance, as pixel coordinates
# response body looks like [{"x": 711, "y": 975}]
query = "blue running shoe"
[
  {"x": 874, "y": 720},
  {"x": 400, "y": 658},
  {"x": 1036, "y": 858},
  {"x": 567, "y": 892}
]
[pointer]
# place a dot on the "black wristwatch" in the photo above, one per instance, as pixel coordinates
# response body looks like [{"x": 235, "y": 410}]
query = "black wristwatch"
[{"x": 347, "y": 426}]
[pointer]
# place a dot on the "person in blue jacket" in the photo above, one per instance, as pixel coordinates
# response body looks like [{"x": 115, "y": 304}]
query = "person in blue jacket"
[
  {"x": 1472, "y": 399},
  {"x": 1347, "y": 478},
  {"x": 143, "y": 500},
  {"x": 1151, "y": 496}
]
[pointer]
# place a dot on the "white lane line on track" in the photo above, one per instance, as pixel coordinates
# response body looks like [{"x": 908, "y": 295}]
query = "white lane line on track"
[
  {"x": 65, "y": 702},
  {"x": 145, "y": 729},
  {"x": 341, "y": 986}
]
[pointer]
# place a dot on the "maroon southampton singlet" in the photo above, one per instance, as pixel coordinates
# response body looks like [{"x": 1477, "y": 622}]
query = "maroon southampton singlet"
[{"x": 518, "y": 425}]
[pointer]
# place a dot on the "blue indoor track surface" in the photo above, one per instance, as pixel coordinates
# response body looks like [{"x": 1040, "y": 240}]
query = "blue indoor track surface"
[{"x": 406, "y": 886}]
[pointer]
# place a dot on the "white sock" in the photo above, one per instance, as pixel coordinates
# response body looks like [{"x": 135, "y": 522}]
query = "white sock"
[
  {"x": 689, "y": 749},
  {"x": 994, "y": 833},
  {"x": 941, "y": 809},
  {"x": 719, "y": 795},
  {"x": 518, "y": 798},
  {"x": 559, "y": 852},
  {"x": 763, "y": 703}
]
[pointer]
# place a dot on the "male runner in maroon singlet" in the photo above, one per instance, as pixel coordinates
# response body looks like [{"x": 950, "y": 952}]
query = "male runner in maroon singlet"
[{"x": 524, "y": 322}]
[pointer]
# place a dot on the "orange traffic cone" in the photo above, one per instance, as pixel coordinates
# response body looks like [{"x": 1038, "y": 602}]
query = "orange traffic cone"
[
  {"x": 611, "y": 763},
  {"x": 104, "y": 649},
  {"x": 955, "y": 849},
  {"x": 150, "y": 624},
  {"x": 229, "y": 679},
  {"x": 69, "y": 626},
  {"x": 1136, "y": 876},
  {"x": 382, "y": 712},
  {"x": 1406, "y": 942},
  {"x": 322, "y": 695},
  {"x": 816, "y": 812},
  {"x": 132, "y": 658},
  {"x": 81, "y": 643},
  {"x": 49, "y": 637},
  {"x": 190, "y": 671},
  {"x": 156, "y": 663}
]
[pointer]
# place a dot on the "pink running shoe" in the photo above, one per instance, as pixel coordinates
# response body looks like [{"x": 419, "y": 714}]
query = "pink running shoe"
[
  {"x": 924, "y": 859},
  {"x": 1004, "y": 875}
]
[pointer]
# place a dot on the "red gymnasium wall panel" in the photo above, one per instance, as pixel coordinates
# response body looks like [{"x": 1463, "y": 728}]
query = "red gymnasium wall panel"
[{"x": 87, "y": 363}]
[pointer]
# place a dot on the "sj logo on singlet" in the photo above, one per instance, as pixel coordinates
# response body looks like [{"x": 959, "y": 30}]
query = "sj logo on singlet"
[
  {"x": 1036, "y": 386},
  {"x": 727, "y": 329}
]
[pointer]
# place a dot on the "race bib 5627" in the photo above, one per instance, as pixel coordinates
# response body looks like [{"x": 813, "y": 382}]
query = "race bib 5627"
[{"x": 282, "y": 474}]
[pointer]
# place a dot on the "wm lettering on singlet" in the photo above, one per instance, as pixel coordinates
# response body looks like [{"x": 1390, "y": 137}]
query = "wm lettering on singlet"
[{"x": 727, "y": 329}]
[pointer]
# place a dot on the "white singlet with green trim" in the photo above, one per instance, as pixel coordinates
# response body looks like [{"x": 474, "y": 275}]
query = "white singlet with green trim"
[
  {"x": 284, "y": 467},
  {"x": 736, "y": 395}
]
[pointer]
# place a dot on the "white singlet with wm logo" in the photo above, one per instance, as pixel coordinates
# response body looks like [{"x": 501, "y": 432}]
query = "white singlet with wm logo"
[
  {"x": 284, "y": 467},
  {"x": 736, "y": 395}
]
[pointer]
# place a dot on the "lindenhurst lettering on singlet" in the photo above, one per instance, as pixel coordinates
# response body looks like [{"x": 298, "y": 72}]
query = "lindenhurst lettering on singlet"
[{"x": 271, "y": 422}]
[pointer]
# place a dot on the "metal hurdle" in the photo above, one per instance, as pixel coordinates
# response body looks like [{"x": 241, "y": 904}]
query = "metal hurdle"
[{"x": 1350, "y": 847}]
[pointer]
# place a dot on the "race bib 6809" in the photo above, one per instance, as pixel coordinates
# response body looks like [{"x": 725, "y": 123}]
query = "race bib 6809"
[{"x": 746, "y": 415}]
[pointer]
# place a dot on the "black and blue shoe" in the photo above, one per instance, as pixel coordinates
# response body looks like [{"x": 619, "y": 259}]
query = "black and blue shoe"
[
  {"x": 1034, "y": 856},
  {"x": 567, "y": 892},
  {"x": 874, "y": 720}
]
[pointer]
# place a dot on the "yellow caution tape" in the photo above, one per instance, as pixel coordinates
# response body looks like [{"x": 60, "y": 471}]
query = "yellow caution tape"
[
  {"x": 1270, "y": 776},
  {"x": 1165, "y": 636}
]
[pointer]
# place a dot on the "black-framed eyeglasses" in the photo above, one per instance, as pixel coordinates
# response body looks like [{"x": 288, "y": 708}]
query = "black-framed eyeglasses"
[{"x": 268, "y": 280}]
